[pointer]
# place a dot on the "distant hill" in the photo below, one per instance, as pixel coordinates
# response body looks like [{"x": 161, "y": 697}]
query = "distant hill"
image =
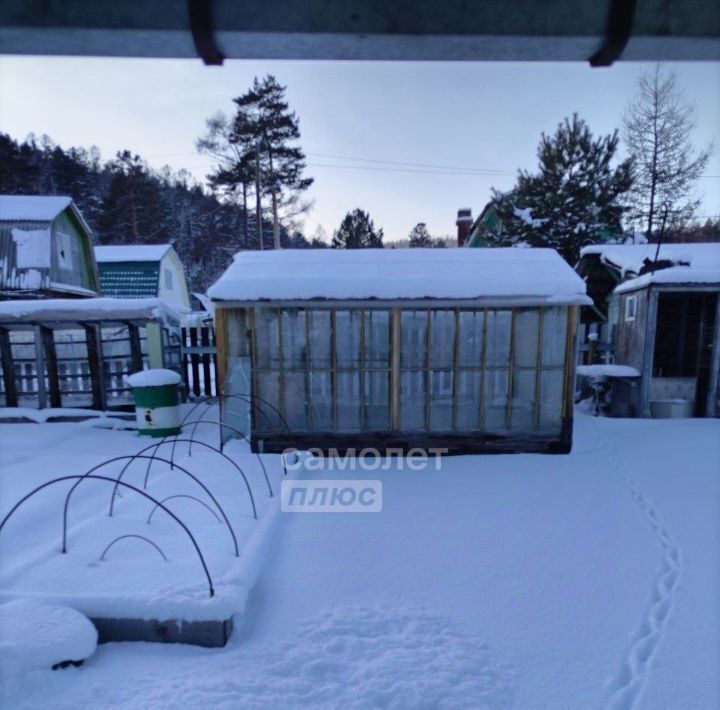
[{"x": 126, "y": 202}]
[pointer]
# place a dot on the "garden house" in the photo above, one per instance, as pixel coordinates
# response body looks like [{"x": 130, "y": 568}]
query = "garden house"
[
  {"x": 468, "y": 350},
  {"x": 661, "y": 304},
  {"x": 45, "y": 249}
]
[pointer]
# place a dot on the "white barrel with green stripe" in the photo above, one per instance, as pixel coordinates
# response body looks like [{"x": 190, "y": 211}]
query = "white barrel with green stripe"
[{"x": 157, "y": 402}]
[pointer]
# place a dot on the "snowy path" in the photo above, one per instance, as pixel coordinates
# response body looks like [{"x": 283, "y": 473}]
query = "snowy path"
[{"x": 582, "y": 581}]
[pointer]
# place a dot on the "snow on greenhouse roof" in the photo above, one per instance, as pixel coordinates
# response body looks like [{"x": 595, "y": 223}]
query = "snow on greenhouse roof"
[
  {"x": 32, "y": 208},
  {"x": 523, "y": 276},
  {"x": 691, "y": 263},
  {"x": 85, "y": 309},
  {"x": 117, "y": 253}
]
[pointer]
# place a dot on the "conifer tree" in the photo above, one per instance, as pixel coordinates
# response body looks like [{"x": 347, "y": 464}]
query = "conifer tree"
[
  {"x": 420, "y": 237},
  {"x": 576, "y": 197},
  {"x": 357, "y": 231},
  {"x": 264, "y": 117}
]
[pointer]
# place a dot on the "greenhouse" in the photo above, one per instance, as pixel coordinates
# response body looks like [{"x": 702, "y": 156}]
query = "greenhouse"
[{"x": 466, "y": 350}]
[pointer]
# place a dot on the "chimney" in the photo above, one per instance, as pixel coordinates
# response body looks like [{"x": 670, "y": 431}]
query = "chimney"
[{"x": 464, "y": 223}]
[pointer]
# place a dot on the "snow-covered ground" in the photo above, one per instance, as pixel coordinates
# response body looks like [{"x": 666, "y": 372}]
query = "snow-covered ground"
[{"x": 529, "y": 581}]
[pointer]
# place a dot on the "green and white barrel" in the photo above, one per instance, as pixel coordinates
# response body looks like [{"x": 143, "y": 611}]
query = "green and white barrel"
[{"x": 157, "y": 402}]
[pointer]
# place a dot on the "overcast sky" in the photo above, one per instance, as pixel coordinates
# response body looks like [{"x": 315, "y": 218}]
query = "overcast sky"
[{"x": 408, "y": 142}]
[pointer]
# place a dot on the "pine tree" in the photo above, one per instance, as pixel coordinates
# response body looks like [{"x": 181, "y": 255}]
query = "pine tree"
[
  {"x": 657, "y": 130},
  {"x": 357, "y": 231},
  {"x": 264, "y": 117},
  {"x": 420, "y": 237},
  {"x": 576, "y": 198}
]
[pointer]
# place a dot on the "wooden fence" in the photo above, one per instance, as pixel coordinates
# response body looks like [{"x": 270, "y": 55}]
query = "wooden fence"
[
  {"x": 199, "y": 360},
  {"x": 79, "y": 366}
]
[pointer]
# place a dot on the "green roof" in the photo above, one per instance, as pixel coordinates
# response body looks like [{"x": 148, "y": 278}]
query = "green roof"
[{"x": 131, "y": 279}]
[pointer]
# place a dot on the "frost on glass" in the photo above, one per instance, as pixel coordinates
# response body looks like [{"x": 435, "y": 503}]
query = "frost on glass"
[
  {"x": 523, "y": 400},
  {"x": 468, "y": 400},
  {"x": 321, "y": 408},
  {"x": 294, "y": 400},
  {"x": 525, "y": 340},
  {"x": 293, "y": 339},
  {"x": 266, "y": 338},
  {"x": 348, "y": 401},
  {"x": 496, "y": 394},
  {"x": 470, "y": 338},
  {"x": 320, "y": 340},
  {"x": 377, "y": 339},
  {"x": 347, "y": 339},
  {"x": 412, "y": 400},
  {"x": 268, "y": 384},
  {"x": 498, "y": 339},
  {"x": 554, "y": 330},
  {"x": 551, "y": 393},
  {"x": 441, "y": 400},
  {"x": 377, "y": 401},
  {"x": 413, "y": 340},
  {"x": 443, "y": 338}
]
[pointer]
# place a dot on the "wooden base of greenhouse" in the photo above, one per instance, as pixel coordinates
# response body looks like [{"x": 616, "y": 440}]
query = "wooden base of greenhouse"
[
  {"x": 210, "y": 634},
  {"x": 394, "y": 443}
]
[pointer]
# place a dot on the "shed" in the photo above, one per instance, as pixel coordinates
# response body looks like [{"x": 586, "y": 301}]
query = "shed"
[
  {"x": 45, "y": 248},
  {"x": 143, "y": 271},
  {"x": 662, "y": 308},
  {"x": 467, "y": 350}
]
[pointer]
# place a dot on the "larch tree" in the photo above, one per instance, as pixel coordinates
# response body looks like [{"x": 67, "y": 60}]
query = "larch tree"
[
  {"x": 658, "y": 129},
  {"x": 576, "y": 197},
  {"x": 357, "y": 231}
]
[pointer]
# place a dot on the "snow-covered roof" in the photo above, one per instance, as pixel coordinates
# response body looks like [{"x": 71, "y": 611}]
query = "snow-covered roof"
[
  {"x": 32, "y": 208},
  {"x": 85, "y": 309},
  {"x": 37, "y": 208},
  {"x": 116, "y": 253},
  {"x": 520, "y": 276},
  {"x": 697, "y": 263}
]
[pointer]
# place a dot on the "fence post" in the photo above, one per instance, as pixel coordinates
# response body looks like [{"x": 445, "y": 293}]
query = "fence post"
[
  {"x": 40, "y": 368},
  {"x": 51, "y": 363},
  {"x": 194, "y": 362},
  {"x": 93, "y": 335},
  {"x": 11, "y": 395},
  {"x": 136, "y": 361},
  {"x": 205, "y": 342}
]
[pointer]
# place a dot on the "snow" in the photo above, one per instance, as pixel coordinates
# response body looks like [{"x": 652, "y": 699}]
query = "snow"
[
  {"x": 607, "y": 371},
  {"x": 673, "y": 275},
  {"x": 528, "y": 581},
  {"x": 132, "y": 581},
  {"x": 32, "y": 208},
  {"x": 36, "y": 635},
  {"x": 131, "y": 252},
  {"x": 32, "y": 248},
  {"x": 629, "y": 258},
  {"x": 68, "y": 309},
  {"x": 154, "y": 378},
  {"x": 527, "y": 276},
  {"x": 44, "y": 415}
]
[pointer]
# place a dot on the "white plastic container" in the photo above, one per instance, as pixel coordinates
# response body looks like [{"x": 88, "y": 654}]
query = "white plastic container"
[{"x": 671, "y": 408}]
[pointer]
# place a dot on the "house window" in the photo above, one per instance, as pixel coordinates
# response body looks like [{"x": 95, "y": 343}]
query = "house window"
[
  {"x": 630, "y": 308},
  {"x": 168, "y": 277}
]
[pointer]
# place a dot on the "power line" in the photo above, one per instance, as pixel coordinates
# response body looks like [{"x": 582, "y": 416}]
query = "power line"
[{"x": 415, "y": 165}]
